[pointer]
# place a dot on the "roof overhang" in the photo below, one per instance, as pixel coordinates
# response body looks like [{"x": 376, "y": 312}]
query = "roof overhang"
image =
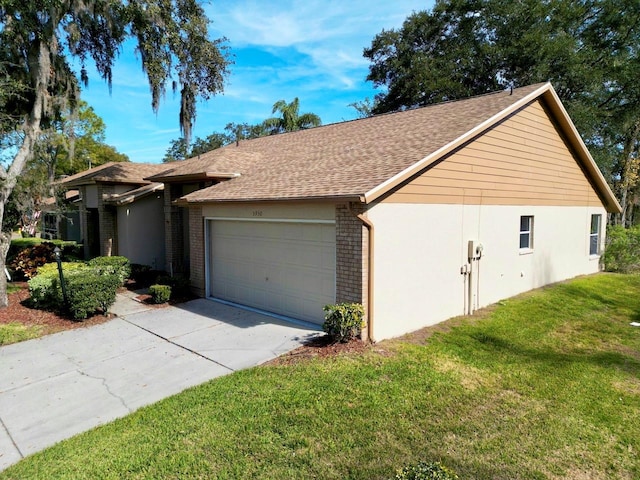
[
  {"x": 132, "y": 195},
  {"x": 552, "y": 101},
  {"x": 193, "y": 177},
  {"x": 105, "y": 180},
  {"x": 183, "y": 201}
]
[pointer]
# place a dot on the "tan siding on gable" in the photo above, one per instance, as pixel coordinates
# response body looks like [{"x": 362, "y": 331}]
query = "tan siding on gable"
[{"x": 522, "y": 161}]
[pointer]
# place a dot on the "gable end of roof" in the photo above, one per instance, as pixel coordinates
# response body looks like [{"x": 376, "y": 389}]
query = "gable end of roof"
[{"x": 560, "y": 115}]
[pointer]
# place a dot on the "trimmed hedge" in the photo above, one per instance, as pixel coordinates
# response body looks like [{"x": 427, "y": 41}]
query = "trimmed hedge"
[
  {"x": 343, "y": 321},
  {"x": 44, "y": 288},
  {"x": 160, "y": 293},
  {"x": 89, "y": 291},
  {"x": 112, "y": 265},
  {"x": 90, "y": 286}
]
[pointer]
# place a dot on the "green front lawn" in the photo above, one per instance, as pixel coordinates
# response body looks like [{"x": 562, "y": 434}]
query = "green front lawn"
[
  {"x": 543, "y": 386},
  {"x": 14, "y": 332}
]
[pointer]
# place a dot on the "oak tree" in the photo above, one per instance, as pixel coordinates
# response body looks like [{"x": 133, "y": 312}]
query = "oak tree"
[
  {"x": 40, "y": 38},
  {"x": 588, "y": 49}
]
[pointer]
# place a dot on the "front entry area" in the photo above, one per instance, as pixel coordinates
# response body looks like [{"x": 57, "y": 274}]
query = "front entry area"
[{"x": 287, "y": 267}]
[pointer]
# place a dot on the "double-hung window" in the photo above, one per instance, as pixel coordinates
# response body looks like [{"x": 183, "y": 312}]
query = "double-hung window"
[
  {"x": 594, "y": 235},
  {"x": 526, "y": 232}
]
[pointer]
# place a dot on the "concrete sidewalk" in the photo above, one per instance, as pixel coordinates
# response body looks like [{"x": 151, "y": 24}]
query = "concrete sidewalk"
[
  {"x": 127, "y": 304},
  {"x": 56, "y": 386}
]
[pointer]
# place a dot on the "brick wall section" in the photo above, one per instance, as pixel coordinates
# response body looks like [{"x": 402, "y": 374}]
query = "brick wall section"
[
  {"x": 197, "y": 260},
  {"x": 107, "y": 216},
  {"x": 351, "y": 256},
  {"x": 84, "y": 222},
  {"x": 174, "y": 247}
]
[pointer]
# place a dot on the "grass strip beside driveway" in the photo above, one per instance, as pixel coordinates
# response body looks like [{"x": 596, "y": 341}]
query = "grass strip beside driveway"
[{"x": 546, "y": 385}]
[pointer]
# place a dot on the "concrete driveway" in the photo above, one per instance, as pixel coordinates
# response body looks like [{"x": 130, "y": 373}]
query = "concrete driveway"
[{"x": 57, "y": 386}]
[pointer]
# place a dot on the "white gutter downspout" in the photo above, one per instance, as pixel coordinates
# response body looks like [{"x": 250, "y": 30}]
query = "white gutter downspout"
[{"x": 370, "y": 230}]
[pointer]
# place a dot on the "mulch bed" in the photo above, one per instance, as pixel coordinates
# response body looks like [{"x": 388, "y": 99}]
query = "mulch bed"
[
  {"x": 321, "y": 347},
  {"x": 18, "y": 312},
  {"x": 146, "y": 299}
]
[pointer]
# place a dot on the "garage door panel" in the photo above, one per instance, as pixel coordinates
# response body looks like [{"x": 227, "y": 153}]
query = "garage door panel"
[
  {"x": 328, "y": 286},
  {"x": 312, "y": 233},
  {"x": 284, "y": 267},
  {"x": 312, "y": 258}
]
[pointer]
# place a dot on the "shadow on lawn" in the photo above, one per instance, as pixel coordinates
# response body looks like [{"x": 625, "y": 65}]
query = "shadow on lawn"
[
  {"x": 579, "y": 293},
  {"x": 629, "y": 363},
  {"x": 480, "y": 471}
]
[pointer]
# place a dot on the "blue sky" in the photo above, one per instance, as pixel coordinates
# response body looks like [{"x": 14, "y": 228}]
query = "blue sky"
[{"x": 281, "y": 49}]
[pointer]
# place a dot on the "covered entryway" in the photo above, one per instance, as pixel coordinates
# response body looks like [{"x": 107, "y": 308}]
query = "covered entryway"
[{"x": 281, "y": 266}]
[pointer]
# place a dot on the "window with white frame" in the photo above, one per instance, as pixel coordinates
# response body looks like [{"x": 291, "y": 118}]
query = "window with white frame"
[
  {"x": 594, "y": 235},
  {"x": 526, "y": 232}
]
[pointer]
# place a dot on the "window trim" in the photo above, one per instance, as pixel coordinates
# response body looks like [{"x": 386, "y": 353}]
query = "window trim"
[
  {"x": 529, "y": 232},
  {"x": 595, "y": 234}
]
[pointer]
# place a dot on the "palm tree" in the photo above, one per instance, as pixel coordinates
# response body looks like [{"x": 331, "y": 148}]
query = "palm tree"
[{"x": 290, "y": 120}]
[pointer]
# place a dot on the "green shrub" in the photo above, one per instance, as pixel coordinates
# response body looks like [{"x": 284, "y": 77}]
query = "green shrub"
[
  {"x": 180, "y": 285},
  {"x": 115, "y": 265},
  {"x": 26, "y": 262},
  {"x": 343, "y": 321},
  {"x": 160, "y": 293},
  {"x": 88, "y": 288},
  {"x": 622, "y": 250},
  {"x": 141, "y": 274},
  {"x": 71, "y": 251},
  {"x": 18, "y": 244},
  {"x": 69, "y": 247},
  {"x": 44, "y": 288},
  {"x": 89, "y": 291},
  {"x": 426, "y": 471}
]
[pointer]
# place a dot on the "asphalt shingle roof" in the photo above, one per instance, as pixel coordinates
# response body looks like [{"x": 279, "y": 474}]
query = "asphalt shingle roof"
[
  {"x": 115, "y": 172},
  {"x": 339, "y": 160}
]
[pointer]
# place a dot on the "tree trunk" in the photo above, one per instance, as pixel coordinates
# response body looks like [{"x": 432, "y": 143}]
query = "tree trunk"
[
  {"x": 31, "y": 129},
  {"x": 629, "y": 175},
  {"x": 51, "y": 172},
  {"x": 5, "y": 243}
]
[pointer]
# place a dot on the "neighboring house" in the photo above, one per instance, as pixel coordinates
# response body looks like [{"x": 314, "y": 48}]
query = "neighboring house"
[
  {"x": 120, "y": 213},
  {"x": 62, "y": 222},
  {"x": 420, "y": 215}
]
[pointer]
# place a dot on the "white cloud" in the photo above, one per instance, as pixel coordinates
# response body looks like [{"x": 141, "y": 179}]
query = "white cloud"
[
  {"x": 290, "y": 23},
  {"x": 284, "y": 48},
  {"x": 332, "y": 33}
]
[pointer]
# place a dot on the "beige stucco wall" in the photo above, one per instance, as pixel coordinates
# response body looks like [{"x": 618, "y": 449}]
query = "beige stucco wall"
[
  {"x": 419, "y": 250},
  {"x": 141, "y": 231},
  {"x": 91, "y": 196}
]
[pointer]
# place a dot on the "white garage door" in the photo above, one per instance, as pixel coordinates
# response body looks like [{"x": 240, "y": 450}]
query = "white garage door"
[{"x": 282, "y": 267}]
